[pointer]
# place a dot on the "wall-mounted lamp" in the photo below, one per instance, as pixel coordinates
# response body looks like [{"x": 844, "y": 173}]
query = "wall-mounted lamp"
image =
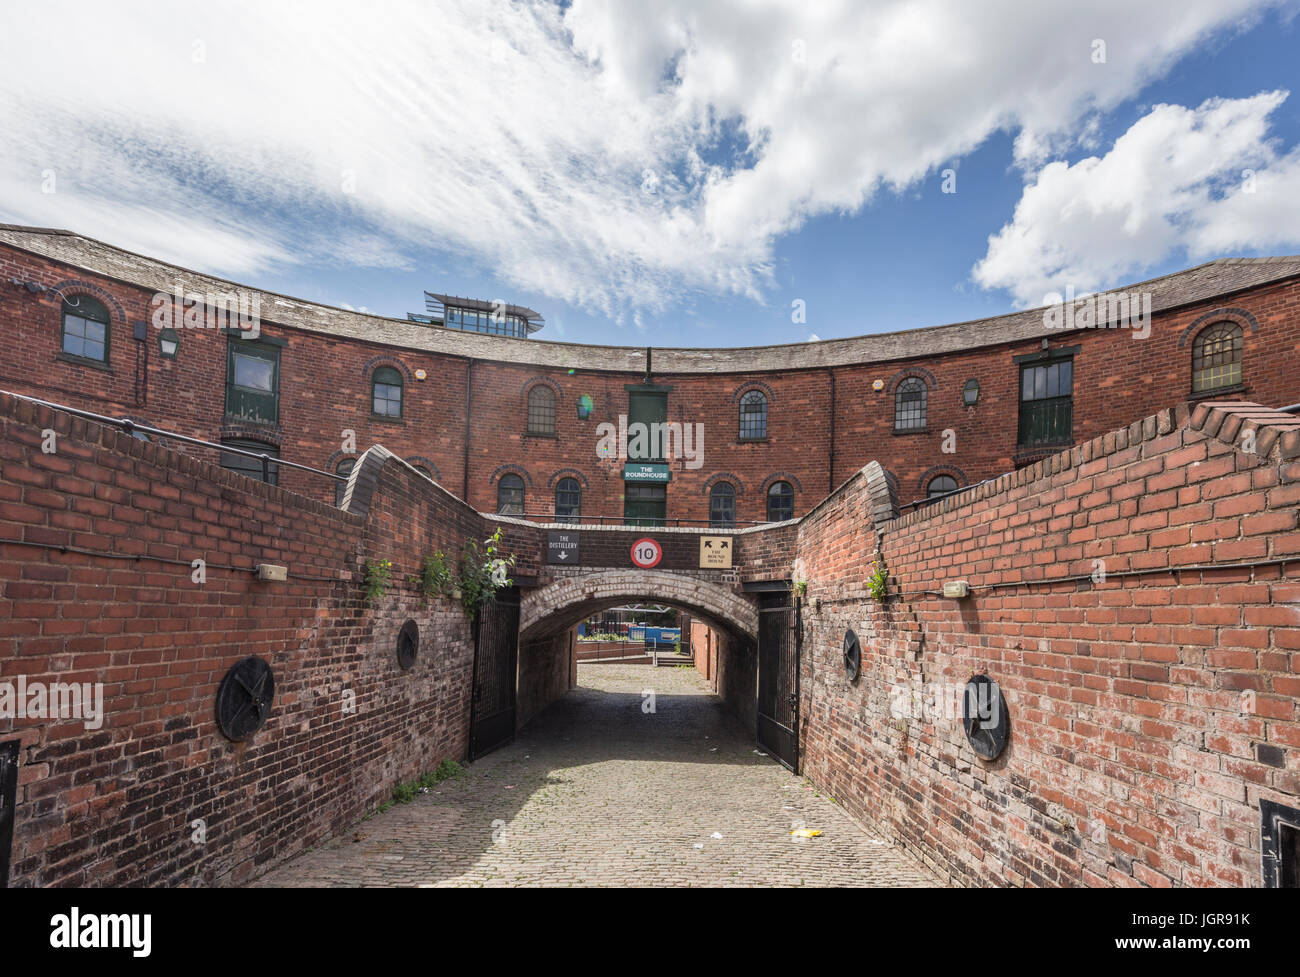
[
  {"x": 169, "y": 341},
  {"x": 970, "y": 394}
]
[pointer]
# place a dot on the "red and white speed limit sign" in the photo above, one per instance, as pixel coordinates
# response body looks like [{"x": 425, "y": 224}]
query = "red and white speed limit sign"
[{"x": 646, "y": 552}]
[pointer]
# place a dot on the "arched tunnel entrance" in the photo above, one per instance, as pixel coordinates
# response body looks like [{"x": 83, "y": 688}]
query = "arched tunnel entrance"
[{"x": 744, "y": 645}]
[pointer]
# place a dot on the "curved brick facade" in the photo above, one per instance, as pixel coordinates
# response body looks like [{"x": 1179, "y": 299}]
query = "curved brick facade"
[{"x": 467, "y": 419}]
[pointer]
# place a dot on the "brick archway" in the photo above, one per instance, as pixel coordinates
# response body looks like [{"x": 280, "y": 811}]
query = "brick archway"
[{"x": 564, "y": 603}]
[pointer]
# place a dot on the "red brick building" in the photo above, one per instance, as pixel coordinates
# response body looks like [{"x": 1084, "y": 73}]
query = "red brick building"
[{"x": 939, "y": 408}]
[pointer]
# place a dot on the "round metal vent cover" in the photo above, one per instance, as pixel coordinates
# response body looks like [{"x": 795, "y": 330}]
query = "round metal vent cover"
[
  {"x": 244, "y": 698},
  {"x": 408, "y": 644},
  {"x": 852, "y": 656},
  {"x": 984, "y": 716}
]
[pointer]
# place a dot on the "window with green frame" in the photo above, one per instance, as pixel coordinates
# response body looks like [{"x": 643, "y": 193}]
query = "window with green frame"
[
  {"x": 649, "y": 408},
  {"x": 386, "y": 392},
  {"x": 253, "y": 382},
  {"x": 645, "y": 504},
  {"x": 252, "y": 467},
  {"x": 343, "y": 469},
  {"x": 85, "y": 328},
  {"x": 1046, "y": 403}
]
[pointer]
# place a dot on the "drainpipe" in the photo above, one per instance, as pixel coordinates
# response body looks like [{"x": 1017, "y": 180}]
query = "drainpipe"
[
  {"x": 830, "y": 461},
  {"x": 464, "y": 492}
]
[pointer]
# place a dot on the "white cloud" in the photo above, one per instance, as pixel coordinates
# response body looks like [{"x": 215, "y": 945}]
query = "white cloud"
[
  {"x": 611, "y": 154},
  {"x": 1201, "y": 181}
]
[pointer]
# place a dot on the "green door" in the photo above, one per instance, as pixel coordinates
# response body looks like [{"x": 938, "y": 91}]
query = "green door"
[
  {"x": 645, "y": 505},
  {"x": 650, "y": 409}
]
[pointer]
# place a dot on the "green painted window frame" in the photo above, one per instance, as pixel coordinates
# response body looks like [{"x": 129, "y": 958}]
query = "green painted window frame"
[
  {"x": 645, "y": 504},
  {"x": 85, "y": 309},
  {"x": 722, "y": 506},
  {"x": 649, "y": 408},
  {"x": 509, "y": 488},
  {"x": 391, "y": 378},
  {"x": 247, "y": 403},
  {"x": 780, "y": 502},
  {"x": 1048, "y": 418},
  {"x": 568, "y": 500},
  {"x": 251, "y": 467}
]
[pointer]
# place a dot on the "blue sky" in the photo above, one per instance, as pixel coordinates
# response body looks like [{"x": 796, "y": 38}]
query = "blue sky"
[{"x": 677, "y": 175}]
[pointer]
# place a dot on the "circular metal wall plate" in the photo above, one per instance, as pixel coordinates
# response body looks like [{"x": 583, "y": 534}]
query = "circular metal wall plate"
[
  {"x": 408, "y": 644},
  {"x": 852, "y": 656},
  {"x": 244, "y": 698},
  {"x": 984, "y": 717}
]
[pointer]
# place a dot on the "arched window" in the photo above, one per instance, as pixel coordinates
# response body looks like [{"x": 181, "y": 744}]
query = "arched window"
[
  {"x": 780, "y": 502},
  {"x": 568, "y": 500},
  {"x": 510, "y": 496},
  {"x": 722, "y": 506},
  {"x": 386, "y": 386},
  {"x": 753, "y": 416},
  {"x": 343, "y": 468},
  {"x": 85, "y": 328},
  {"x": 541, "y": 410},
  {"x": 940, "y": 486},
  {"x": 424, "y": 471},
  {"x": 1216, "y": 357},
  {"x": 909, "y": 405}
]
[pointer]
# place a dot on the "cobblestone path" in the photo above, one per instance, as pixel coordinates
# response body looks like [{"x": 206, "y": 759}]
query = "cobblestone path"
[{"x": 597, "y": 792}]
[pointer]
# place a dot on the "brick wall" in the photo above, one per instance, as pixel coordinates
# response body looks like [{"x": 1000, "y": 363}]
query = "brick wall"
[
  {"x": 96, "y": 585},
  {"x": 1150, "y": 710},
  {"x": 546, "y": 671}
]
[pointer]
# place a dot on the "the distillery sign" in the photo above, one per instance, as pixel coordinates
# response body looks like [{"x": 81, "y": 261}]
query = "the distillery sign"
[{"x": 562, "y": 548}]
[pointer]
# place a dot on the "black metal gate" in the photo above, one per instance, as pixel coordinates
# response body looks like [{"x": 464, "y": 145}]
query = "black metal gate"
[
  {"x": 496, "y": 648},
  {"x": 778, "y": 678},
  {"x": 8, "y": 797}
]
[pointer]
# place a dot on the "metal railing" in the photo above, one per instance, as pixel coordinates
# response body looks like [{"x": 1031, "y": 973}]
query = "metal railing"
[{"x": 131, "y": 427}]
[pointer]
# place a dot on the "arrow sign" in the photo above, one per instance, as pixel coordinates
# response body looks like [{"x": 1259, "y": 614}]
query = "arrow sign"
[{"x": 562, "y": 548}]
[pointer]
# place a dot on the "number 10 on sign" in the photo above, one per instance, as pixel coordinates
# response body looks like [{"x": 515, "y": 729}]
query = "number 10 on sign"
[{"x": 646, "y": 552}]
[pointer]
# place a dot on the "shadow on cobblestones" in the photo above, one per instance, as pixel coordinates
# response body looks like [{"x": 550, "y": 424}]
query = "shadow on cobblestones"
[{"x": 599, "y": 790}]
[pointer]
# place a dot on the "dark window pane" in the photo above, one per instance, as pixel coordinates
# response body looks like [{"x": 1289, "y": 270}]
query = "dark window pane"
[
  {"x": 910, "y": 405},
  {"x": 568, "y": 500},
  {"x": 254, "y": 373},
  {"x": 510, "y": 496},
  {"x": 541, "y": 410},
  {"x": 940, "y": 485},
  {"x": 780, "y": 502},
  {"x": 1216, "y": 357},
  {"x": 252, "y": 467},
  {"x": 85, "y": 328},
  {"x": 722, "y": 506},
  {"x": 753, "y": 416},
  {"x": 386, "y": 392},
  {"x": 344, "y": 467}
]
